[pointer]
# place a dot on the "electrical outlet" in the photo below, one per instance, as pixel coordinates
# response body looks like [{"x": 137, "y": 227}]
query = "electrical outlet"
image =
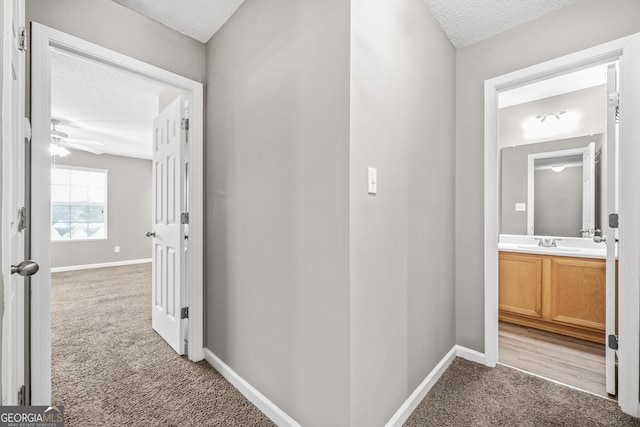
[{"x": 116, "y": 249}]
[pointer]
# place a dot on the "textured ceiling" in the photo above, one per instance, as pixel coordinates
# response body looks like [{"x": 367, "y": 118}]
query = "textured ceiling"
[
  {"x": 469, "y": 21},
  {"x": 198, "y": 19},
  {"x": 102, "y": 103},
  {"x": 464, "y": 21}
]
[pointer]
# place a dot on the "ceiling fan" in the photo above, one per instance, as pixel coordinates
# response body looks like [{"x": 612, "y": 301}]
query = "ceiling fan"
[{"x": 61, "y": 143}]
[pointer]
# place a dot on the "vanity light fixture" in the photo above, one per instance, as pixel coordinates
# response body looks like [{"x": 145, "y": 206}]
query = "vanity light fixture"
[
  {"x": 558, "y": 168},
  {"x": 551, "y": 124},
  {"x": 544, "y": 116}
]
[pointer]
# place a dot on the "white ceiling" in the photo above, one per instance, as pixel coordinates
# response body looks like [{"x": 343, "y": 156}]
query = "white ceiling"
[
  {"x": 198, "y": 19},
  {"x": 464, "y": 21},
  {"x": 102, "y": 103},
  {"x": 469, "y": 21}
]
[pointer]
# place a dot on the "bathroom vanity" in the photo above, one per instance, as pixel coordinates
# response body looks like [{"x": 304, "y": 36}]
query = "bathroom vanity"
[{"x": 560, "y": 290}]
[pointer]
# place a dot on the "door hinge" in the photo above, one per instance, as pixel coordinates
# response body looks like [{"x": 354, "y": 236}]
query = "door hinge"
[
  {"x": 184, "y": 218},
  {"x": 184, "y": 313},
  {"x": 184, "y": 124},
  {"x": 22, "y": 395},
  {"x": 22, "y": 39},
  {"x": 613, "y": 342},
  {"x": 614, "y": 99},
  {"x": 614, "y": 102},
  {"x": 613, "y": 220},
  {"x": 22, "y": 219},
  {"x": 186, "y": 346}
]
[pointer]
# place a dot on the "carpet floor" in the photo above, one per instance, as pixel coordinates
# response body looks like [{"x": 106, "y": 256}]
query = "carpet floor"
[
  {"x": 470, "y": 394},
  {"x": 110, "y": 368}
]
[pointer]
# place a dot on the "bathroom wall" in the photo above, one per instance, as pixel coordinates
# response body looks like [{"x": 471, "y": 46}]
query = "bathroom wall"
[
  {"x": 514, "y": 178},
  {"x": 567, "y": 30},
  {"x": 558, "y": 202},
  {"x": 590, "y": 104}
]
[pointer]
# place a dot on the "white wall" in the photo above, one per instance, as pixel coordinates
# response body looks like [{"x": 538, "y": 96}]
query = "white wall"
[{"x": 582, "y": 25}]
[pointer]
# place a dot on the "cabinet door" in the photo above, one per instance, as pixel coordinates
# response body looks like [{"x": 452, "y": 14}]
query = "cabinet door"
[
  {"x": 578, "y": 292},
  {"x": 520, "y": 284}
]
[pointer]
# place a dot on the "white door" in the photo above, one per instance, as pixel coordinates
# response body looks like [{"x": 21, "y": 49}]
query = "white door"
[
  {"x": 169, "y": 233},
  {"x": 14, "y": 368},
  {"x": 610, "y": 161}
]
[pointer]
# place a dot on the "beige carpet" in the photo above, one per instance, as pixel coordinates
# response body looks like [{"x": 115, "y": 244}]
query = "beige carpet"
[
  {"x": 469, "y": 394},
  {"x": 109, "y": 368}
]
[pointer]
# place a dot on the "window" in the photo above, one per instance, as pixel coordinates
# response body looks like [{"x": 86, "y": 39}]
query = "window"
[{"x": 78, "y": 204}]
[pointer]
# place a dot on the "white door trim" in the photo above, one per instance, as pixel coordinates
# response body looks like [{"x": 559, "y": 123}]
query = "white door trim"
[
  {"x": 628, "y": 50},
  {"x": 42, "y": 39}
]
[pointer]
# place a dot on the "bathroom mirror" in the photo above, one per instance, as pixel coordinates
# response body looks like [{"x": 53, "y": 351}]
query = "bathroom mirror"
[{"x": 552, "y": 188}]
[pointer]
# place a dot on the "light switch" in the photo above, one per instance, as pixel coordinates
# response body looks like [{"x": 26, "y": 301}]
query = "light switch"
[
  {"x": 373, "y": 180},
  {"x": 521, "y": 207}
]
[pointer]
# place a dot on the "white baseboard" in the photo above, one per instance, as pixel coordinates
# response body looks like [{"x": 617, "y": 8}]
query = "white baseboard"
[
  {"x": 421, "y": 391},
  {"x": 472, "y": 355},
  {"x": 269, "y": 408},
  {"x": 101, "y": 265}
]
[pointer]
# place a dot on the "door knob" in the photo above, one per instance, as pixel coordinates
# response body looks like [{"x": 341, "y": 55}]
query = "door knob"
[
  {"x": 150, "y": 234},
  {"x": 25, "y": 268}
]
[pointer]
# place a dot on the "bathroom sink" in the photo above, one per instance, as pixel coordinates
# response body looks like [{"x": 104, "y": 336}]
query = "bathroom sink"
[{"x": 549, "y": 248}]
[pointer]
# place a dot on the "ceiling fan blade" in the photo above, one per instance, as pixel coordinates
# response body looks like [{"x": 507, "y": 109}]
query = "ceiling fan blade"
[
  {"x": 81, "y": 147},
  {"x": 58, "y": 134},
  {"x": 84, "y": 141}
]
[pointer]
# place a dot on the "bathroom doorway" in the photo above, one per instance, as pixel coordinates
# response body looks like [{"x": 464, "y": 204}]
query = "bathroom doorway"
[
  {"x": 558, "y": 183},
  {"x": 626, "y": 238}
]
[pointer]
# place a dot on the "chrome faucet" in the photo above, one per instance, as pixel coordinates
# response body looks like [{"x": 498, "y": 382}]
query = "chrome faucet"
[{"x": 547, "y": 242}]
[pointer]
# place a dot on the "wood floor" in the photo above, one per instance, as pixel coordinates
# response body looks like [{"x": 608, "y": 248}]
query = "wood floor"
[{"x": 568, "y": 360}]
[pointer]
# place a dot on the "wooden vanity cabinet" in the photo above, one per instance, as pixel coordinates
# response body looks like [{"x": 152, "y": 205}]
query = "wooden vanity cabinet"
[{"x": 564, "y": 295}]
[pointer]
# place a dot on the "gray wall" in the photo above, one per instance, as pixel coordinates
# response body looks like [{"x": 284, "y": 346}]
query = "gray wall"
[
  {"x": 402, "y": 271},
  {"x": 277, "y": 203},
  {"x": 558, "y": 202},
  {"x": 564, "y": 31},
  {"x": 129, "y": 206},
  {"x": 514, "y": 177},
  {"x": 113, "y": 26}
]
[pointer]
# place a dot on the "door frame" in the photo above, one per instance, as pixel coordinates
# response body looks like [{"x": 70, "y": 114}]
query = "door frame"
[
  {"x": 531, "y": 199},
  {"x": 627, "y": 50},
  {"x": 43, "y": 38},
  {"x": 14, "y": 371}
]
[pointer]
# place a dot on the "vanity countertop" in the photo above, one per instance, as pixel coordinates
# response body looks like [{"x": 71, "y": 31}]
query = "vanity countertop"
[{"x": 566, "y": 246}]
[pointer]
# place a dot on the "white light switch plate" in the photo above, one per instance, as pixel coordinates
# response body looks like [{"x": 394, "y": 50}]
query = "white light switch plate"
[
  {"x": 372, "y": 180},
  {"x": 521, "y": 207}
]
